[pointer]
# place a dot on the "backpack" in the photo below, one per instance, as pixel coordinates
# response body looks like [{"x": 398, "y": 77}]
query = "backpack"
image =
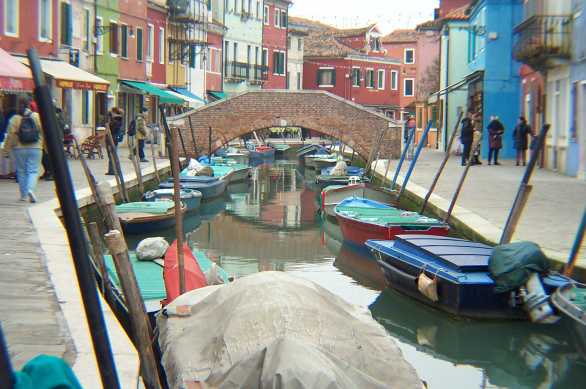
[
  {"x": 28, "y": 133},
  {"x": 132, "y": 128}
]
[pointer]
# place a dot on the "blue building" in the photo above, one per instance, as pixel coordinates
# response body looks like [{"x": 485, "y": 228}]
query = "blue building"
[
  {"x": 494, "y": 83},
  {"x": 577, "y": 150}
]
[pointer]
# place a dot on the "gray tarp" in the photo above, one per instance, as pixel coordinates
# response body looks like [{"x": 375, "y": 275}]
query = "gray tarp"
[{"x": 273, "y": 330}]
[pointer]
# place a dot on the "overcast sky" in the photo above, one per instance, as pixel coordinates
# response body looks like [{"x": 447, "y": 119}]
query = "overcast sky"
[{"x": 390, "y": 14}]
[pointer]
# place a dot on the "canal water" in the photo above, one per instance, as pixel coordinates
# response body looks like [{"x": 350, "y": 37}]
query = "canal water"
[{"x": 272, "y": 223}]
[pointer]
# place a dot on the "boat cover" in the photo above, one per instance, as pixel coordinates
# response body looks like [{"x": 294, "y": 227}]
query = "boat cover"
[
  {"x": 151, "y": 207},
  {"x": 149, "y": 276},
  {"x": 511, "y": 264},
  {"x": 272, "y": 330},
  {"x": 373, "y": 212}
]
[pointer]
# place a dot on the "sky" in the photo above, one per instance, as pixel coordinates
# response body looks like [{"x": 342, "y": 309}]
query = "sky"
[{"x": 389, "y": 14}]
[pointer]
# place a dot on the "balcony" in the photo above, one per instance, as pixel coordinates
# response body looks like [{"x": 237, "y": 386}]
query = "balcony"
[
  {"x": 543, "y": 40},
  {"x": 242, "y": 71}
]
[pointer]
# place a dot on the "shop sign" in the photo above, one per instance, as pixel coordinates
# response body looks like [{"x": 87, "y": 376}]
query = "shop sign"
[
  {"x": 15, "y": 84},
  {"x": 69, "y": 84}
]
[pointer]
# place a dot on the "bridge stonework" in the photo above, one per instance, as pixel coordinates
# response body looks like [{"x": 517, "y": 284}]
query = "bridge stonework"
[{"x": 320, "y": 111}]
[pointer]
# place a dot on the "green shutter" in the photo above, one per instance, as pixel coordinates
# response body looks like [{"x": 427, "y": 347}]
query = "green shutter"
[
  {"x": 192, "y": 56},
  {"x": 333, "y": 77},
  {"x": 139, "y": 44},
  {"x": 66, "y": 25}
]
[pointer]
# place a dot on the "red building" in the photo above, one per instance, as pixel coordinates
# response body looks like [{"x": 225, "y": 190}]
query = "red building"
[
  {"x": 274, "y": 42},
  {"x": 402, "y": 45},
  {"x": 351, "y": 64},
  {"x": 215, "y": 37},
  {"x": 25, "y": 25},
  {"x": 448, "y": 5},
  {"x": 155, "y": 43}
]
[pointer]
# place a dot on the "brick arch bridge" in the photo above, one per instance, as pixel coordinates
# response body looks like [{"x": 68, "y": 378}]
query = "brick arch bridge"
[{"x": 320, "y": 111}]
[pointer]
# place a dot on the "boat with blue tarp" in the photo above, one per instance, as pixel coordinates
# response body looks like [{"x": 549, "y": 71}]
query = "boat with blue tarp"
[
  {"x": 191, "y": 198},
  {"x": 210, "y": 187}
]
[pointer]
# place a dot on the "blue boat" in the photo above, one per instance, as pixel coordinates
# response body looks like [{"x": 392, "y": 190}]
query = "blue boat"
[
  {"x": 191, "y": 198},
  {"x": 350, "y": 171},
  {"x": 209, "y": 189},
  {"x": 262, "y": 153},
  {"x": 459, "y": 274},
  {"x": 311, "y": 150},
  {"x": 145, "y": 217}
]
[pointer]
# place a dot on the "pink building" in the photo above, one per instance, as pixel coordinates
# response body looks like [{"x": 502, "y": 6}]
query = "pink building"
[
  {"x": 155, "y": 42},
  {"x": 274, "y": 42}
]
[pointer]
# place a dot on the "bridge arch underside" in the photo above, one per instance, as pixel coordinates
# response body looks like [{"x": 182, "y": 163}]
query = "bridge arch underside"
[{"x": 319, "y": 111}]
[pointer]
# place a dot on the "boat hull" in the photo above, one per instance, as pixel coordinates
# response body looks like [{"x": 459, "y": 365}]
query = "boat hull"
[
  {"x": 267, "y": 154},
  {"x": 208, "y": 190},
  {"x": 573, "y": 316},
  {"x": 148, "y": 224},
  {"x": 357, "y": 232},
  {"x": 191, "y": 200},
  {"x": 331, "y": 198}
]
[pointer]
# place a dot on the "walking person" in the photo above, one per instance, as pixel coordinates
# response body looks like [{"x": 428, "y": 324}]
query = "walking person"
[
  {"x": 115, "y": 118},
  {"x": 141, "y": 133},
  {"x": 466, "y": 137},
  {"x": 61, "y": 126},
  {"x": 521, "y": 140},
  {"x": 25, "y": 141},
  {"x": 495, "y": 132}
]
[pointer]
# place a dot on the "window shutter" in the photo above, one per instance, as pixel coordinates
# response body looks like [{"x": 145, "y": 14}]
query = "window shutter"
[
  {"x": 275, "y": 62},
  {"x": 333, "y": 76},
  {"x": 283, "y": 19},
  {"x": 318, "y": 80},
  {"x": 192, "y": 56}
]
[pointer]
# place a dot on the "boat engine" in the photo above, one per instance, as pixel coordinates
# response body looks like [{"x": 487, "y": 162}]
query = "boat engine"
[{"x": 536, "y": 301}]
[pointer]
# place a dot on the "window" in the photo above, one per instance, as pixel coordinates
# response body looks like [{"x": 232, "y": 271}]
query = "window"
[
  {"x": 381, "y": 79},
  {"x": 235, "y": 52},
  {"x": 86, "y": 29},
  {"x": 45, "y": 19},
  {"x": 408, "y": 87},
  {"x": 161, "y": 45},
  {"x": 265, "y": 15},
  {"x": 370, "y": 78},
  {"x": 85, "y": 107},
  {"x": 113, "y": 37},
  {"x": 277, "y": 17},
  {"x": 124, "y": 41},
  {"x": 375, "y": 44},
  {"x": 243, "y": 5},
  {"x": 409, "y": 56},
  {"x": 256, "y": 55},
  {"x": 299, "y": 44},
  {"x": 265, "y": 58},
  {"x": 326, "y": 77},
  {"x": 258, "y": 10},
  {"x": 356, "y": 77},
  {"x": 192, "y": 55},
  {"x": 139, "y": 45},
  {"x": 150, "y": 42},
  {"x": 394, "y": 79},
  {"x": 208, "y": 59},
  {"x": 287, "y": 80},
  {"x": 279, "y": 63},
  {"x": 249, "y": 7},
  {"x": 283, "y": 18},
  {"x": 99, "y": 37},
  {"x": 66, "y": 24},
  {"x": 171, "y": 53},
  {"x": 298, "y": 80},
  {"x": 288, "y": 43},
  {"x": 11, "y": 17},
  {"x": 184, "y": 55}
]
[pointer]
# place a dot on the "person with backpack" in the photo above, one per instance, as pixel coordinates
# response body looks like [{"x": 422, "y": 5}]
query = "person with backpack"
[
  {"x": 25, "y": 141},
  {"x": 141, "y": 133}
]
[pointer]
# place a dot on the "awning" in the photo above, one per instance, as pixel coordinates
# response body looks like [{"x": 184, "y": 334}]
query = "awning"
[
  {"x": 164, "y": 97},
  {"x": 217, "y": 95},
  {"x": 194, "y": 100},
  {"x": 14, "y": 76},
  {"x": 458, "y": 85},
  {"x": 179, "y": 96},
  {"x": 69, "y": 76}
]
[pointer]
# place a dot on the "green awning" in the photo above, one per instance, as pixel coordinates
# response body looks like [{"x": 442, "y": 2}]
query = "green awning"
[
  {"x": 164, "y": 97},
  {"x": 217, "y": 95}
]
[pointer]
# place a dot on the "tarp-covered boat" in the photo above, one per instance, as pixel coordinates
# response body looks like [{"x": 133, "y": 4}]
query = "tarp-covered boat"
[
  {"x": 146, "y": 216},
  {"x": 191, "y": 198},
  {"x": 194, "y": 276},
  {"x": 209, "y": 189},
  {"x": 453, "y": 275},
  {"x": 362, "y": 219},
  {"x": 333, "y": 195},
  {"x": 271, "y": 330}
]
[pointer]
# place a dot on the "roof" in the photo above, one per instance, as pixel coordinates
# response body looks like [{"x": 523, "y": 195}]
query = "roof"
[
  {"x": 430, "y": 25},
  {"x": 457, "y": 14},
  {"x": 321, "y": 40},
  {"x": 399, "y": 36}
]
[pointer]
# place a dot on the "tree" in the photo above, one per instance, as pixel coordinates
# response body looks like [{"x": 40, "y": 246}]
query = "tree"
[{"x": 429, "y": 83}]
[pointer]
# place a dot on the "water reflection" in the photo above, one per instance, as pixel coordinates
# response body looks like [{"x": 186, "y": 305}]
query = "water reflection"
[{"x": 271, "y": 224}]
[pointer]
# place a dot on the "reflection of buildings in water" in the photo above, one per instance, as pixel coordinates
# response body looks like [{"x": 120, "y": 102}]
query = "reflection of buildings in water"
[{"x": 511, "y": 354}]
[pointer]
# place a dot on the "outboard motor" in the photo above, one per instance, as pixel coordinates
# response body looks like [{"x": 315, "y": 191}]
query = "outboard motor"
[{"x": 536, "y": 301}]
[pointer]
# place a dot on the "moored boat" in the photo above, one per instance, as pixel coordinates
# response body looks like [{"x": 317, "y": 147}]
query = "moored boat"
[
  {"x": 362, "y": 219},
  {"x": 191, "y": 198},
  {"x": 209, "y": 189},
  {"x": 146, "y": 216},
  {"x": 194, "y": 276},
  {"x": 310, "y": 150},
  {"x": 453, "y": 275},
  {"x": 331, "y": 196},
  {"x": 350, "y": 171},
  {"x": 570, "y": 302},
  {"x": 327, "y": 180},
  {"x": 262, "y": 152}
]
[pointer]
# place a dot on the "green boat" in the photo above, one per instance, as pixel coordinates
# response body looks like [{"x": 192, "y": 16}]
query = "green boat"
[{"x": 141, "y": 217}]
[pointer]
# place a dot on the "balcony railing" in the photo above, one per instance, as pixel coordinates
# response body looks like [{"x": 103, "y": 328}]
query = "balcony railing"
[
  {"x": 244, "y": 71},
  {"x": 541, "y": 39}
]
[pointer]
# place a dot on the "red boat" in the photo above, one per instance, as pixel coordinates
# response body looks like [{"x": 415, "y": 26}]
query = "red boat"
[
  {"x": 194, "y": 277},
  {"x": 362, "y": 219}
]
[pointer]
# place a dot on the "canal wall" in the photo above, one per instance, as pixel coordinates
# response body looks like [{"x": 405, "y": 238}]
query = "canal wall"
[{"x": 55, "y": 249}]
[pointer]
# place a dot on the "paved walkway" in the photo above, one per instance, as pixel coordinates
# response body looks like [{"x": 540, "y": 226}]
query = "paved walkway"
[
  {"x": 30, "y": 316},
  {"x": 552, "y": 214}
]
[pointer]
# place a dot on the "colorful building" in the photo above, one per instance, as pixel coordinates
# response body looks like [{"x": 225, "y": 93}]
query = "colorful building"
[
  {"x": 351, "y": 64},
  {"x": 295, "y": 44},
  {"x": 245, "y": 62},
  {"x": 274, "y": 43},
  {"x": 578, "y": 80}
]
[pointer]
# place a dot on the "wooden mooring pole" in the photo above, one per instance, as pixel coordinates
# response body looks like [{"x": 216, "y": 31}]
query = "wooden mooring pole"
[
  {"x": 442, "y": 164},
  {"x": 110, "y": 145},
  {"x": 524, "y": 189}
]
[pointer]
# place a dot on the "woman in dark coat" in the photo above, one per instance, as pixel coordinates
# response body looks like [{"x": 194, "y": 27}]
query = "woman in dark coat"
[
  {"x": 495, "y": 133},
  {"x": 521, "y": 140}
]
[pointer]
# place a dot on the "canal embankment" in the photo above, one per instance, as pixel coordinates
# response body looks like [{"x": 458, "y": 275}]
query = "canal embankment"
[
  {"x": 42, "y": 310},
  {"x": 551, "y": 216}
]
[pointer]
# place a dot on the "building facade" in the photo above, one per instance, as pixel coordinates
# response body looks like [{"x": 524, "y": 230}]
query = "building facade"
[
  {"x": 245, "y": 63},
  {"x": 274, "y": 43},
  {"x": 578, "y": 80},
  {"x": 295, "y": 44}
]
